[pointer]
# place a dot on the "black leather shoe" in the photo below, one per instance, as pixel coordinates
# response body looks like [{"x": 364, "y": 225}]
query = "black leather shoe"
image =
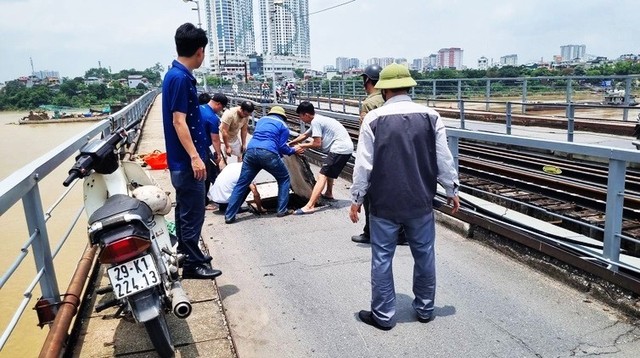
[
  {"x": 425, "y": 320},
  {"x": 361, "y": 239},
  {"x": 367, "y": 317},
  {"x": 207, "y": 258},
  {"x": 230, "y": 220},
  {"x": 201, "y": 272}
]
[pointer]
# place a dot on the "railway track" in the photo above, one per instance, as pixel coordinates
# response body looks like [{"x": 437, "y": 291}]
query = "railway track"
[
  {"x": 515, "y": 178},
  {"x": 574, "y": 199}
]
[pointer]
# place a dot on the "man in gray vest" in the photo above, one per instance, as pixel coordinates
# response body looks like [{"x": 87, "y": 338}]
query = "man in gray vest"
[{"x": 413, "y": 161}]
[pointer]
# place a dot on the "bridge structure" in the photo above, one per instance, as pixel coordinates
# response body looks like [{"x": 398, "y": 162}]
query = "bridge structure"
[{"x": 292, "y": 286}]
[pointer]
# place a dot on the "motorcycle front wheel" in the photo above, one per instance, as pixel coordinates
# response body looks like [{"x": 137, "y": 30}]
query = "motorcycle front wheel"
[{"x": 158, "y": 332}]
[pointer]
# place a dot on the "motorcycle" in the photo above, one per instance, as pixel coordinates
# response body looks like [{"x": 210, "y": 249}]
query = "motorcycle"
[
  {"x": 126, "y": 219},
  {"x": 292, "y": 95}
]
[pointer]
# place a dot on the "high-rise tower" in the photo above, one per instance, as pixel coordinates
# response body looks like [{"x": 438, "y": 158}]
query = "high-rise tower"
[
  {"x": 230, "y": 29},
  {"x": 285, "y": 35}
]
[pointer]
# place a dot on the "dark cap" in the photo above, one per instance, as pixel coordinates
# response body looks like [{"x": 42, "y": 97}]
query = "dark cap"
[
  {"x": 247, "y": 106},
  {"x": 220, "y": 98}
]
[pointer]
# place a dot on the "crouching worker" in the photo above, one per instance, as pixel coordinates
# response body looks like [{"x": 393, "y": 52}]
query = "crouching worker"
[
  {"x": 265, "y": 151},
  {"x": 222, "y": 188},
  {"x": 332, "y": 138}
]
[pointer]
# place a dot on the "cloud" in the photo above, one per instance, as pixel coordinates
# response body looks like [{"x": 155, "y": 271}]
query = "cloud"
[{"x": 71, "y": 36}]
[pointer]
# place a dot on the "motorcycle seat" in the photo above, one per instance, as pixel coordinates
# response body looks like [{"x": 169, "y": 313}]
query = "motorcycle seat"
[{"x": 116, "y": 206}]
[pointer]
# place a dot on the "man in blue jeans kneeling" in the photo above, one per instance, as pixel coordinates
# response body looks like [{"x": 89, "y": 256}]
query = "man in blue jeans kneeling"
[{"x": 265, "y": 151}]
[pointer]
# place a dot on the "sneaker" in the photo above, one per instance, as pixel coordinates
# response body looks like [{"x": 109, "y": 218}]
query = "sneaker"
[{"x": 361, "y": 239}]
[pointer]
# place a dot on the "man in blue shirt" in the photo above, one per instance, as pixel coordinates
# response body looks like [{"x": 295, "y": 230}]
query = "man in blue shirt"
[
  {"x": 265, "y": 151},
  {"x": 186, "y": 144},
  {"x": 210, "y": 109}
]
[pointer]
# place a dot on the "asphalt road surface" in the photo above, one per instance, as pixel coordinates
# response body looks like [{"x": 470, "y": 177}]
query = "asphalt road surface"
[{"x": 292, "y": 287}]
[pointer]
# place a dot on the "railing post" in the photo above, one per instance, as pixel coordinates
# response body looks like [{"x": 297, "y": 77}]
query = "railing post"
[
  {"x": 627, "y": 99},
  {"x": 487, "y": 95},
  {"x": 329, "y": 94},
  {"x": 613, "y": 214},
  {"x": 344, "y": 105},
  {"x": 524, "y": 96},
  {"x": 461, "y": 108},
  {"x": 508, "y": 119},
  {"x": 41, "y": 248},
  {"x": 569, "y": 93},
  {"x": 319, "y": 92},
  {"x": 570, "y": 122},
  {"x": 459, "y": 89},
  {"x": 433, "y": 89},
  {"x": 453, "y": 147}
]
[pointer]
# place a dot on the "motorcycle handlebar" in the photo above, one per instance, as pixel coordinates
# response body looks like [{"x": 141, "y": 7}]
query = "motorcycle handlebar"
[
  {"x": 73, "y": 174},
  {"x": 83, "y": 165}
]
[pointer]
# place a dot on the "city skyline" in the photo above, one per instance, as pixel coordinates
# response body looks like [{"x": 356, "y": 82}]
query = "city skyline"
[{"x": 72, "y": 36}]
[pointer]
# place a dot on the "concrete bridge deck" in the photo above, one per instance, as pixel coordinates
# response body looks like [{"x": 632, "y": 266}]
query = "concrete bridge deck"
[{"x": 292, "y": 286}]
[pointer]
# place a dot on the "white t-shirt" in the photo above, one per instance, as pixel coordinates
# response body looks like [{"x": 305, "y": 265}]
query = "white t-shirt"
[
  {"x": 335, "y": 138},
  {"x": 221, "y": 190}
]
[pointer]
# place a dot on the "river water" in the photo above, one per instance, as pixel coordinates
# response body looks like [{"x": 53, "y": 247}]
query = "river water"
[{"x": 19, "y": 145}]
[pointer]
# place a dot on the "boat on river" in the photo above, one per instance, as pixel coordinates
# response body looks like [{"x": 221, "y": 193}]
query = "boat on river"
[{"x": 42, "y": 117}]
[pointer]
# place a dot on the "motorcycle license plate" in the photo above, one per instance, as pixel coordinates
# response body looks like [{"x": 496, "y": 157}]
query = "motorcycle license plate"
[{"x": 133, "y": 276}]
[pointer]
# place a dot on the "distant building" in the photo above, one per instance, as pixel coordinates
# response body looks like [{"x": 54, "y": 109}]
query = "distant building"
[
  {"x": 354, "y": 63},
  {"x": 231, "y": 33},
  {"x": 134, "y": 80},
  {"x": 92, "y": 81},
  {"x": 342, "y": 64},
  {"x": 483, "y": 63},
  {"x": 430, "y": 62},
  {"x": 45, "y": 74},
  {"x": 329, "y": 68},
  {"x": 289, "y": 38},
  {"x": 572, "y": 53},
  {"x": 331, "y": 74},
  {"x": 629, "y": 57},
  {"x": 417, "y": 64},
  {"x": 450, "y": 58},
  {"x": 402, "y": 61},
  {"x": 509, "y": 60},
  {"x": 256, "y": 65}
]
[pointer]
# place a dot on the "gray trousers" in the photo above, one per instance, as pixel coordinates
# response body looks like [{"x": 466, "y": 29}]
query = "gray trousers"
[{"x": 420, "y": 233}]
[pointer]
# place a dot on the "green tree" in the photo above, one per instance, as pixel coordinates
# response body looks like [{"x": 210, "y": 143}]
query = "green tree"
[{"x": 98, "y": 72}]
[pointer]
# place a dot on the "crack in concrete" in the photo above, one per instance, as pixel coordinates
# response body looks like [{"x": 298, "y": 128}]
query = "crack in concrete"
[
  {"x": 515, "y": 338},
  {"x": 585, "y": 349},
  {"x": 322, "y": 265}
]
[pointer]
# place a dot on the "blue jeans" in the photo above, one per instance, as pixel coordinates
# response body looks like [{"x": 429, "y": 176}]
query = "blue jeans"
[
  {"x": 420, "y": 233},
  {"x": 189, "y": 215},
  {"x": 254, "y": 160}
]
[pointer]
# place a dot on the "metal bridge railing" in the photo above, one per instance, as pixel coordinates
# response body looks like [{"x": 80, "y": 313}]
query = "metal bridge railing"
[
  {"x": 23, "y": 186},
  {"x": 618, "y": 159}
]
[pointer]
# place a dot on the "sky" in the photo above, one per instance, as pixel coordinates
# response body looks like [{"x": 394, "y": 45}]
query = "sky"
[{"x": 71, "y": 36}]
